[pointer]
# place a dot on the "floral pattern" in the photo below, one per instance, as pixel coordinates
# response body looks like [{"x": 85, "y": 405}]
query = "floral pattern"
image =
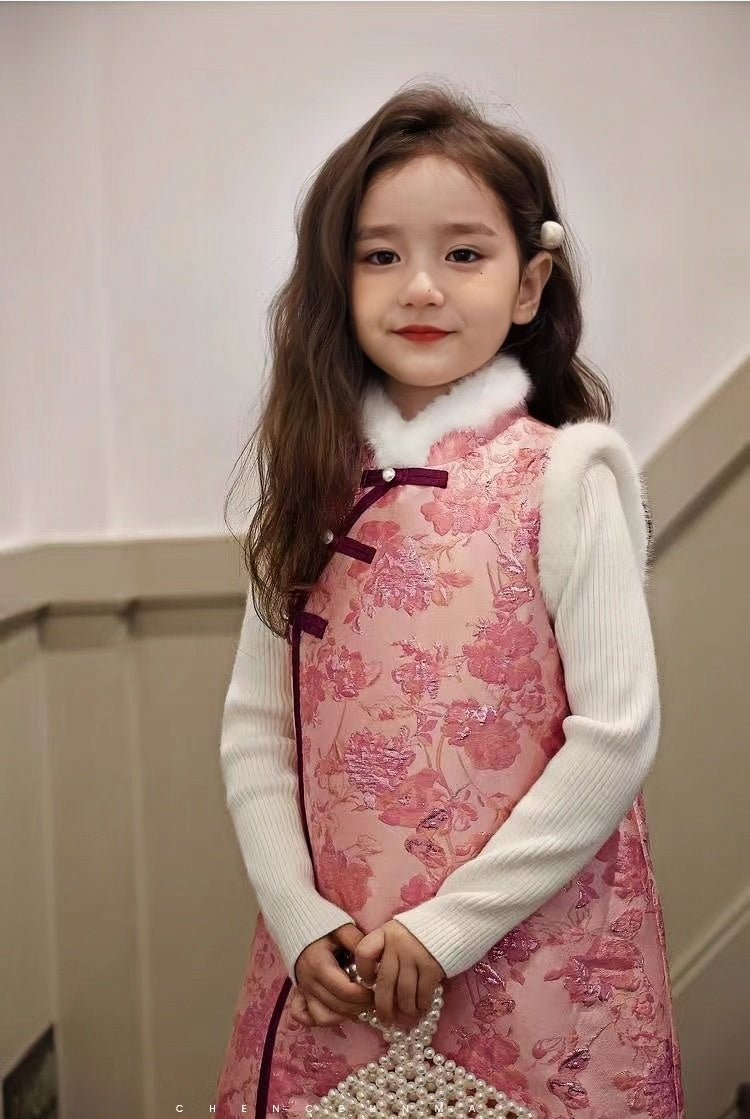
[{"x": 430, "y": 705}]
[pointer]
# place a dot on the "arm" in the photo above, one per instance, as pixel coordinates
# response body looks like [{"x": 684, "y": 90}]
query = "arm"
[
  {"x": 259, "y": 765},
  {"x": 604, "y": 636}
]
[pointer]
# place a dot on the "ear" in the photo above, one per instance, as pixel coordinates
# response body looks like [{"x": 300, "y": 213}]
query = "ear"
[{"x": 535, "y": 276}]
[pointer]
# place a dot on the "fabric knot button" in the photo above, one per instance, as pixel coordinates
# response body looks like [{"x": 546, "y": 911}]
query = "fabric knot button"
[
  {"x": 389, "y": 474},
  {"x": 328, "y": 536}
]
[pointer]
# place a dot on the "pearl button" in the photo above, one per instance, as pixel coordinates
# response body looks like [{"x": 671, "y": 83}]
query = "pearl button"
[
  {"x": 328, "y": 536},
  {"x": 388, "y": 474}
]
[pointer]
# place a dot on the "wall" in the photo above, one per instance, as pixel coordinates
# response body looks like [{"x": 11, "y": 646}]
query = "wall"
[{"x": 155, "y": 155}]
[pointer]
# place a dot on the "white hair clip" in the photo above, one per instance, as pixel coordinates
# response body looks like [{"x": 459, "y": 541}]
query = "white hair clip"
[{"x": 552, "y": 234}]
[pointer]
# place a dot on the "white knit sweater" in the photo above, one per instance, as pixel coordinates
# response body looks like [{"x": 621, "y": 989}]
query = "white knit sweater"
[{"x": 592, "y": 570}]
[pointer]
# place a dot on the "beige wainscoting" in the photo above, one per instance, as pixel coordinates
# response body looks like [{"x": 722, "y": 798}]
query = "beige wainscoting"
[{"x": 126, "y": 913}]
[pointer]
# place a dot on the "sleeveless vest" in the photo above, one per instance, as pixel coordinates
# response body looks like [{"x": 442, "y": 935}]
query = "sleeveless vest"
[{"x": 429, "y": 696}]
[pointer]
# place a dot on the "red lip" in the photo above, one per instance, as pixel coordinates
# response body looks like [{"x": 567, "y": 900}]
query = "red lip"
[{"x": 415, "y": 329}]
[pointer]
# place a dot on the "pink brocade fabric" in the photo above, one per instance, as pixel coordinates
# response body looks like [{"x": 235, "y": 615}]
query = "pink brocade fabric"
[{"x": 430, "y": 698}]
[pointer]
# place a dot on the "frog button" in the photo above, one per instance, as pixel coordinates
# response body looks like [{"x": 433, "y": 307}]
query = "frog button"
[{"x": 388, "y": 474}]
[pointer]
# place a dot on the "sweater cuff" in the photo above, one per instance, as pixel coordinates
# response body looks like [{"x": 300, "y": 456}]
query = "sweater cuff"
[
  {"x": 452, "y": 934},
  {"x": 296, "y": 921}
]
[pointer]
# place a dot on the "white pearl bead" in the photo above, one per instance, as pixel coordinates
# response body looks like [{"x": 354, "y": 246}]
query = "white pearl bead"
[{"x": 388, "y": 474}]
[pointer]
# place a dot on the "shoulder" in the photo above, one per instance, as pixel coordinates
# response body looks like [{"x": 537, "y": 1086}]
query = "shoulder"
[{"x": 595, "y": 454}]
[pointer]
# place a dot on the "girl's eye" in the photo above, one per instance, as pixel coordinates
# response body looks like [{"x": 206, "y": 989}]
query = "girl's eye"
[
  {"x": 389, "y": 252},
  {"x": 475, "y": 253}
]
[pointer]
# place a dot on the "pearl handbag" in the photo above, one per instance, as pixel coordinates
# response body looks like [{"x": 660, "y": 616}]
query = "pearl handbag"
[{"x": 411, "y": 1080}]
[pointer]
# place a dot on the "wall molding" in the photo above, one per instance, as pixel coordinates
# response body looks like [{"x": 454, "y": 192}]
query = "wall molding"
[
  {"x": 728, "y": 926},
  {"x": 702, "y": 457}
]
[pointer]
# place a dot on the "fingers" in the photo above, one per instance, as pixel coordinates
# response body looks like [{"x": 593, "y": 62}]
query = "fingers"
[
  {"x": 385, "y": 988},
  {"x": 368, "y": 953},
  {"x": 403, "y": 994},
  {"x": 298, "y": 1008},
  {"x": 425, "y": 992},
  {"x": 406, "y": 989},
  {"x": 346, "y": 1008},
  {"x": 319, "y": 975},
  {"x": 313, "y": 1003},
  {"x": 309, "y": 1011},
  {"x": 340, "y": 993}
]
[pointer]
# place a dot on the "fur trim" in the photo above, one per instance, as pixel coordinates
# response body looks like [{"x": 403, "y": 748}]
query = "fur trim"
[
  {"x": 474, "y": 400},
  {"x": 576, "y": 446}
]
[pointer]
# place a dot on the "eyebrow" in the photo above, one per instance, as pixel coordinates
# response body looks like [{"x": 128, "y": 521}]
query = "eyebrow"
[{"x": 372, "y": 232}]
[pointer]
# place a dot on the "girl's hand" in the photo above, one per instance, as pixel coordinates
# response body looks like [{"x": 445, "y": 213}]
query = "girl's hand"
[
  {"x": 329, "y": 995},
  {"x": 407, "y": 973},
  {"x": 300, "y": 1011}
]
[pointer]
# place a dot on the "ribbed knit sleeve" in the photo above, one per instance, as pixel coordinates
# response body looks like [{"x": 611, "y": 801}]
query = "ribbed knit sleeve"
[
  {"x": 258, "y": 763},
  {"x": 603, "y": 633}
]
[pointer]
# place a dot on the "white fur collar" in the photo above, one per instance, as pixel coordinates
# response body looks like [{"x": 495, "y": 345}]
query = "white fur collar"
[{"x": 472, "y": 402}]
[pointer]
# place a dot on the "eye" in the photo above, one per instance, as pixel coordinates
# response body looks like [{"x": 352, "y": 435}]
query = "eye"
[
  {"x": 389, "y": 252},
  {"x": 379, "y": 252},
  {"x": 476, "y": 254}
]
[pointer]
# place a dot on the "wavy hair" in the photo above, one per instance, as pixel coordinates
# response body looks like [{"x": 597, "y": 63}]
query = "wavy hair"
[{"x": 307, "y": 447}]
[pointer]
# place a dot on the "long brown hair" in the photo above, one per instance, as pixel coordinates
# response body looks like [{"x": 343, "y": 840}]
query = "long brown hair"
[{"x": 307, "y": 446}]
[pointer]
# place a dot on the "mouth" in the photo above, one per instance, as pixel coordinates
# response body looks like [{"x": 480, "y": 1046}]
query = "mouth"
[{"x": 423, "y": 335}]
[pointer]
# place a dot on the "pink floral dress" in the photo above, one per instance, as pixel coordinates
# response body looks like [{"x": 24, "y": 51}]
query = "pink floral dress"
[{"x": 429, "y": 696}]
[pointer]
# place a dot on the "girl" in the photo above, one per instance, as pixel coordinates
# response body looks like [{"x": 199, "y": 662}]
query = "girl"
[{"x": 444, "y": 701}]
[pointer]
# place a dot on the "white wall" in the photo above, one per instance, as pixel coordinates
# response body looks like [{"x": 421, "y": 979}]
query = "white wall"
[{"x": 152, "y": 157}]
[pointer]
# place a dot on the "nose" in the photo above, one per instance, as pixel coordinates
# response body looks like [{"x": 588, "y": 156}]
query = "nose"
[{"x": 421, "y": 289}]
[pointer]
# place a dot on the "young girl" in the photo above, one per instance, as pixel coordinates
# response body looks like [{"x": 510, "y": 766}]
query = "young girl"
[{"x": 444, "y": 701}]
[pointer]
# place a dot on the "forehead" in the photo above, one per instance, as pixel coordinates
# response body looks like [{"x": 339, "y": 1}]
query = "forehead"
[{"x": 429, "y": 194}]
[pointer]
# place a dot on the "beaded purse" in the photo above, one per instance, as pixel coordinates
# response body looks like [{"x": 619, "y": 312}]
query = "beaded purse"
[{"x": 411, "y": 1080}]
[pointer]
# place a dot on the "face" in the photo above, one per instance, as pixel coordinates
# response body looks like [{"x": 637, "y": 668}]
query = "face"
[{"x": 466, "y": 283}]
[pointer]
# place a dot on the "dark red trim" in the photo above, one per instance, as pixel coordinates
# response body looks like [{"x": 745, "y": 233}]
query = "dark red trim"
[
  {"x": 312, "y": 623},
  {"x": 408, "y": 475},
  {"x": 264, "y": 1076},
  {"x": 354, "y": 548}
]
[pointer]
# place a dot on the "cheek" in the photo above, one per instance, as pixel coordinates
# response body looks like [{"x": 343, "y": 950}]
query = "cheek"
[
  {"x": 487, "y": 297},
  {"x": 357, "y": 294},
  {"x": 366, "y": 301}
]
